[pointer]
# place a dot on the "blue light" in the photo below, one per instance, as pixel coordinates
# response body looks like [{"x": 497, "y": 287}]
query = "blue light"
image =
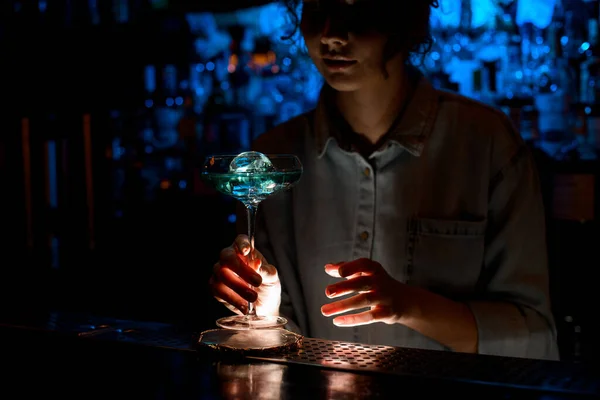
[
  {"x": 149, "y": 103},
  {"x": 170, "y": 163},
  {"x": 179, "y": 101},
  {"x": 148, "y": 149},
  {"x": 117, "y": 150},
  {"x": 210, "y": 66},
  {"x": 232, "y": 218},
  {"x": 539, "y": 13},
  {"x": 225, "y": 85},
  {"x": 170, "y": 102},
  {"x": 200, "y": 67},
  {"x": 287, "y": 61},
  {"x": 585, "y": 46},
  {"x": 564, "y": 40},
  {"x": 150, "y": 78},
  {"x": 435, "y": 55},
  {"x": 553, "y": 88},
  {"x": 588, "y": 110},
  {"x": 182, "y": 184},
  {"x": 270, "y": 19}
]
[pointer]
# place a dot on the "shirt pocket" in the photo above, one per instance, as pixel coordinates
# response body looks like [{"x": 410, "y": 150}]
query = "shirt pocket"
[{"x": 445, "y": 256}]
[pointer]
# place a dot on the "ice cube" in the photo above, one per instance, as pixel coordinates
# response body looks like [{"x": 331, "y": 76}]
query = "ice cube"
[{"x": 251, "y": 161}]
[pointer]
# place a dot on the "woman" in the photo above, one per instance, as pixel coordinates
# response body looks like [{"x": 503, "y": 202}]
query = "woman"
[{"x": 418, "y": 221}]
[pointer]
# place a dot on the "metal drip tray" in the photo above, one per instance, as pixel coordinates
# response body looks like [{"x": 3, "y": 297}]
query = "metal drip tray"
[
  {"x": 546, "y": 376},
  {"x": 516, "y": 372}
]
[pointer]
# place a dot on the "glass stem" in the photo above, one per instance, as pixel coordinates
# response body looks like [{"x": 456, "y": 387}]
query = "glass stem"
[{"x": 251, "y": 214}]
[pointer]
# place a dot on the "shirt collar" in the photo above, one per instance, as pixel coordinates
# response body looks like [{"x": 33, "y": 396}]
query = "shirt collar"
[{"x": 410, "y": 132}]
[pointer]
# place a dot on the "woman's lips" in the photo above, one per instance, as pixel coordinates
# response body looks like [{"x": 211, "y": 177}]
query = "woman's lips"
[{"x": 338, "y": 64}]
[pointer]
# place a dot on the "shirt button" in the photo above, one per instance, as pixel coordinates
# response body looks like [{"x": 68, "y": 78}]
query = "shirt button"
[
  {"x": 364, "y": 235},
  {"x": 367, "y": 172}
]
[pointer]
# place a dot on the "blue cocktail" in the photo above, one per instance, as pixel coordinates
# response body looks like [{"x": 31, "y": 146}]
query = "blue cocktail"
[{"x": 251, "y": 177}]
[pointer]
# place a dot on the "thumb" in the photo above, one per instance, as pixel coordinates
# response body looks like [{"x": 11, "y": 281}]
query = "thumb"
[{"x": 269, "y": 274}]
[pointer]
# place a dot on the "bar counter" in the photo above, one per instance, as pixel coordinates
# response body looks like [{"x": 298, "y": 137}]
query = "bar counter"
[{"x": 80, "y": 356}]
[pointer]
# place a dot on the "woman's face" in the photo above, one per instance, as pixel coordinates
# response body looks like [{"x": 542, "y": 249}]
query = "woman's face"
[{"x": 343, "y": 41}]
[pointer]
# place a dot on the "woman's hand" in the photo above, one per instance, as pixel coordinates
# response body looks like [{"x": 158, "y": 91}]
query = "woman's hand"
[
  {"x": 235, "y": 281},
  {"x": 372, "y": 287}
]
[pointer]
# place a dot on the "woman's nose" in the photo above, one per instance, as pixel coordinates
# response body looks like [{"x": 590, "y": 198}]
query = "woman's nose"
[{"x": 334, "y": 33}]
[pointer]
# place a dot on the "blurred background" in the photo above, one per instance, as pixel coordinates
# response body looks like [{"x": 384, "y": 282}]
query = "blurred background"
[{"x": 109, "y": 107}]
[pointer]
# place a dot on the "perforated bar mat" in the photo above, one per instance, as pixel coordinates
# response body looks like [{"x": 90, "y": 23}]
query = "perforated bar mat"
[{"x": 514, "y": 372}]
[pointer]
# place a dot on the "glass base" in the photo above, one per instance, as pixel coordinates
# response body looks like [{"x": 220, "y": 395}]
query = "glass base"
[
  {"x": 248, "y": 322},
  {"x": 253, "y": 341}
]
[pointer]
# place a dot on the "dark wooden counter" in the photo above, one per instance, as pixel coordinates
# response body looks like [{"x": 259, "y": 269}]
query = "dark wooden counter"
[{"x": 76, "y": 356}]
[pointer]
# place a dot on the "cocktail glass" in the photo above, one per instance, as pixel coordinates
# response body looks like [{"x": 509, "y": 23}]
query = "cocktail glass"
[{"x": 251, "y": 177}]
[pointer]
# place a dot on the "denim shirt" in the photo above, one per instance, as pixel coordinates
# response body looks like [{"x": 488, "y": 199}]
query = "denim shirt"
[{"x": 451, "y": 203}]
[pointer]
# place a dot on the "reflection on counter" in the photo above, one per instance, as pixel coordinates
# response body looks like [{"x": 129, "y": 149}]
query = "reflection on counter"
[
  {"x": 265, "y": 381},
  {"x": 257, "y": 380},
  {"x": 344, "y": 385}
]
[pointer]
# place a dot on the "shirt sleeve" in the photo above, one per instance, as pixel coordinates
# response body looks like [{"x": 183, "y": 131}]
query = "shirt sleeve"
[{"x": 513, "y": 313}]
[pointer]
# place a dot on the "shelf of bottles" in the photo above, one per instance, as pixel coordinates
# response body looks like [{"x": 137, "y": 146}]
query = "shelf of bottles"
[
  {"x": 536, "y": 60},
  {"x": 164, "y": 85},
  {"x": 242, "y": 80},
  {"x": 184, "y": 83}
]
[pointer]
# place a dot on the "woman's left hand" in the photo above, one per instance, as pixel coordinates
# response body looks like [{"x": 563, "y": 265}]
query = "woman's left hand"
[{"x": 388, "y": 300}]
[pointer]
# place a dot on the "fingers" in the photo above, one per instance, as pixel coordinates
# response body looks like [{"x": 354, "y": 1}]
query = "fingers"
[
  {"x": 226, "y": 295},
  {"x": 351, "y": 269},
  {"x": 242, "y": 243},
  {"x": 234, "y": 273},
  {"x": 230, "y": 279},
  {"x": 229, "y": 306},
  {"x": 362, "y": 266},
  {"x": 376, "y": 314},
  {"x": 357, "y": 302},
  {"x": 235, "y": 261},
  {"x": 332, "y": 269},
  {"x": 365, "y": 277},
  {"x": 354, "y": 285}
]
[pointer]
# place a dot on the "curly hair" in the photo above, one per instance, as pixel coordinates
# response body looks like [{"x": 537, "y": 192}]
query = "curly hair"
[{"x": 408, "y": 31}]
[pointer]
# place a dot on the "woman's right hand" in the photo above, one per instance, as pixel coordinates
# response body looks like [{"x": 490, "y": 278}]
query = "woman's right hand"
[{"x": 232, "y": 277}]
